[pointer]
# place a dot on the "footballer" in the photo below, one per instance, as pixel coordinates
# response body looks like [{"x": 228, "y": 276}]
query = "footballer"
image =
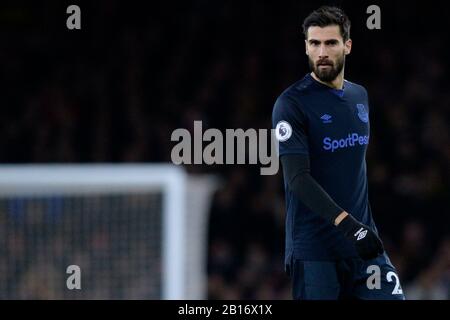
[{"x": 321, "y": 122}]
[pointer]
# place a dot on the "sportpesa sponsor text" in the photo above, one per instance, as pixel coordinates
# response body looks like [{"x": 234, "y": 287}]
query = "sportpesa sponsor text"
[{"x": 352, "y": 140}]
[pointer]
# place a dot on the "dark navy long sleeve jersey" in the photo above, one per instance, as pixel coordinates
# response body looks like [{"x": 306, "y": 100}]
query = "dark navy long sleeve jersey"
[{"x": 332, "y": 127}]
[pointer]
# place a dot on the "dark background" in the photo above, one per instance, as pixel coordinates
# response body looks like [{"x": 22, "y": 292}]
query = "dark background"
[{"x": 116, "y": 89}]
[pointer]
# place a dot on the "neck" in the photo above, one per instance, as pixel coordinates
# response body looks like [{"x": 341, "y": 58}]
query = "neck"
[{"x": 337, "y": 83}]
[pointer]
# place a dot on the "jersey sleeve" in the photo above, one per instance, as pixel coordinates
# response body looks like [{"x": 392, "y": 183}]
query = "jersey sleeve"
[{"x": 289, "y": 123}]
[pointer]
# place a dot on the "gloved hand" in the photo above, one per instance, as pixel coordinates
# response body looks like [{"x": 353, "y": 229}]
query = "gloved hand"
[{"x": 367, "y": 243}]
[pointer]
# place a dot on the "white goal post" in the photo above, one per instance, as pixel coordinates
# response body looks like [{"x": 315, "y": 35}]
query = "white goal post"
[{"x": 185, "y": 202}]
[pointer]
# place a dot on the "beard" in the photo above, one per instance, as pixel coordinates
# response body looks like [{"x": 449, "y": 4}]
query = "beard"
[{"x": 330, "y": 73}]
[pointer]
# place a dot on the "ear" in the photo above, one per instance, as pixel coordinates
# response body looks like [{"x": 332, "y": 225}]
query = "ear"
[
  {"x": 348, "y": 46},
  {"x": 306, "y": 48}
]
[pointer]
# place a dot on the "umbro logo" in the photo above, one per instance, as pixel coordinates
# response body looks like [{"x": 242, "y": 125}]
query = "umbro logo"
[
  {"x": 326, "y": 118},
  {"x": 361, "y": 233}
]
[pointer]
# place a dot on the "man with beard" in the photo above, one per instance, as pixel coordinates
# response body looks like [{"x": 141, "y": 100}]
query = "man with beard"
[{"x": 333, "y": 250}]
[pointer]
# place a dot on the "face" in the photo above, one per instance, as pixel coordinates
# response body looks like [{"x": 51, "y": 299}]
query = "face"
[{"x": 326, "y": 51}]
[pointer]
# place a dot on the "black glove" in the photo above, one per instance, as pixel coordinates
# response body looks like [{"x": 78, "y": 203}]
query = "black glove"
[{"x": 367, "y": 243}]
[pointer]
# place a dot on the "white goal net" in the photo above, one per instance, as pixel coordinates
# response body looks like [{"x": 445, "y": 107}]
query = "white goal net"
[{"x": 135, "y": 231}]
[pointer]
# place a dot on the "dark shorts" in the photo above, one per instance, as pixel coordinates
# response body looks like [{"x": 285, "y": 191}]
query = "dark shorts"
[{"x": 345, "y": 279}]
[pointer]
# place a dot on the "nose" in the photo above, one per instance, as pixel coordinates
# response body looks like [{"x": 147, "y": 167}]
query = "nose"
[{"x": 322, "y": 51}]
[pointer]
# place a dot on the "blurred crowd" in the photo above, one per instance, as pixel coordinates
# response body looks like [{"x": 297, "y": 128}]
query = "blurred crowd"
[{"x": 115, "y": 90}]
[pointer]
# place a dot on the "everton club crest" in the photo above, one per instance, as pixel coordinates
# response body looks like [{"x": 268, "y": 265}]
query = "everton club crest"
[{"x": 362, "y": 113}]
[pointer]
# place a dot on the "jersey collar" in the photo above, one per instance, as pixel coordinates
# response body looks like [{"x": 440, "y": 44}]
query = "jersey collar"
[{"x": 337, "y": 92}]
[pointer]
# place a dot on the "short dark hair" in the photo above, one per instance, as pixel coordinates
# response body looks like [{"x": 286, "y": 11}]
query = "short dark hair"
[{"x": 328, "y": 16}]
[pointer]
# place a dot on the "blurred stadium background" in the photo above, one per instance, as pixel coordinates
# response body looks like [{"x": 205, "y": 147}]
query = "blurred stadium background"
[{"x": 114, "y": 91}]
